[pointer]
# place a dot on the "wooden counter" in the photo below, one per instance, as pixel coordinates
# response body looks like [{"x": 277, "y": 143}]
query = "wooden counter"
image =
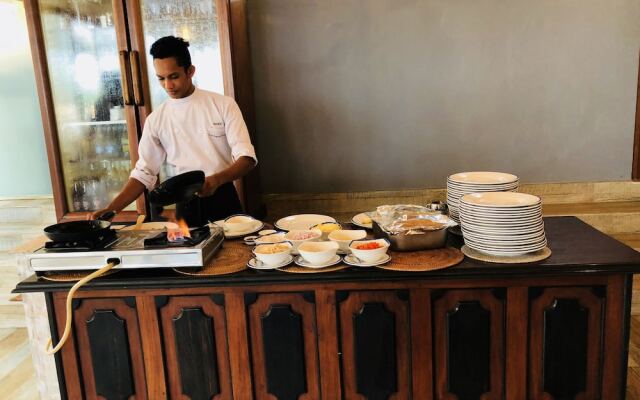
[{"x": 555, "y": 329}]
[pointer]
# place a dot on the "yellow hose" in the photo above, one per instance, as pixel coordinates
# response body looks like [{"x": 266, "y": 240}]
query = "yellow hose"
[{"x": 74, "y": 288}]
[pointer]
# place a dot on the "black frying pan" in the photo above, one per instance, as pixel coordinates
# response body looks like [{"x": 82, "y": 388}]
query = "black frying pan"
[
  {"x": 79, "y": 230},
  {"x": 179, "y": 188}
]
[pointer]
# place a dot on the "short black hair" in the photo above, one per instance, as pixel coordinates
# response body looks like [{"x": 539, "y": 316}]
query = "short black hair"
[{"x": 171, "y": 46}]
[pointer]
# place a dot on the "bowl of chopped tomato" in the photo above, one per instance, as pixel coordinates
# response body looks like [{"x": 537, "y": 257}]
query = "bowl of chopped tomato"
[{"x": 369, "y": 250}]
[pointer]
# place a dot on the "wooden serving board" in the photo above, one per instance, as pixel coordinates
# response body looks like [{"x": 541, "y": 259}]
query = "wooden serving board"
[{"x": 423, "y": 260}]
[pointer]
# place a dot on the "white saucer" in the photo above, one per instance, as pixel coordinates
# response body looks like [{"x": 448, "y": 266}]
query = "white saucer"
[
  {"x": 304, "y": 263},
  {"x": 236, "y": 234},
  {"x": 356, "y": 262},
  {"x": 257, "y": 264}
]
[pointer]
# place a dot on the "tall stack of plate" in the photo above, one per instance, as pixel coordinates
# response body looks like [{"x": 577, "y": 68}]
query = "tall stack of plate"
[
  {"x": 502, "y": 223},
  {"x": 464, "y": 183}
]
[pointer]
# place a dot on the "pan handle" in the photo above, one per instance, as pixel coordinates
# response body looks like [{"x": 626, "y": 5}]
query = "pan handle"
[{"x": 107, "y": 216}]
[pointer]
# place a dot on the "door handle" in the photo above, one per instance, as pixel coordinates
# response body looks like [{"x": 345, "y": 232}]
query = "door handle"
[
  {"x": 134, "y": 60},
  {"x": 124, "y": 71}
]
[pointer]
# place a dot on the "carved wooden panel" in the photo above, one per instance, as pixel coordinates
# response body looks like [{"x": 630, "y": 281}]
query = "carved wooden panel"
[
  {"x": 469, "y": 345},
  {"x": 284, "y": 347},
  {"x": 195, "y": 343},
  {"x": 375, "y": 344},
  {"x": 565, "y": 344},
  {"x": 109, "y": 346}
]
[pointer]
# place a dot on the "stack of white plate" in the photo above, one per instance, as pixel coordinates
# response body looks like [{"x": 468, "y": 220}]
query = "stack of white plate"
[
  {"x": 464, "y": 183},
  {"x": 502, "y": 223}
]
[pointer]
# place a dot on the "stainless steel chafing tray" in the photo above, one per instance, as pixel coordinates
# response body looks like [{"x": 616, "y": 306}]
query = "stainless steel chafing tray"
[{"x": 420, "y": 241}]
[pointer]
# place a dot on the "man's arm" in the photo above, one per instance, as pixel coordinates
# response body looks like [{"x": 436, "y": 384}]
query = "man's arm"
[
  {"x": 131, "y": 190},
  {"x": 237, "y": 170}
]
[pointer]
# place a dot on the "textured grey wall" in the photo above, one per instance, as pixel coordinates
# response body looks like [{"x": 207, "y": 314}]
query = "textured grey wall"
[{"x": 387, "y": 94}]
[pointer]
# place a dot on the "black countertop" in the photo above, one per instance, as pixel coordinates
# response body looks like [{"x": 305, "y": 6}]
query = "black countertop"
[{"x": 577, "y": 248}]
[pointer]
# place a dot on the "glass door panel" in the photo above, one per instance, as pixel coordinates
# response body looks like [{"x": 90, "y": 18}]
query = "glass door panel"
[
  {"x": 84, "y": 72},
  {"x": 196, "y": 21}
]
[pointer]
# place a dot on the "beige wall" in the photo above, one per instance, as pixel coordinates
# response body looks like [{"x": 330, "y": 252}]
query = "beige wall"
[{"x": 389, "y": 94}]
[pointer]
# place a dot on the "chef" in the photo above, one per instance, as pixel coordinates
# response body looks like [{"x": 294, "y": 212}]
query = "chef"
[{"x": 192, "y": 130}]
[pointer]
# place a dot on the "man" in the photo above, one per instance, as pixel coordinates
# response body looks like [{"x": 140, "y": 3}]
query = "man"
[{"x": 192, "y": 130}]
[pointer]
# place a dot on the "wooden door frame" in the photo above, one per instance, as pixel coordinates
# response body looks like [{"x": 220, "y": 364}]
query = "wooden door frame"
[
  {"x": 243, "y": 93},
  {"x": 635, "y": 169}
]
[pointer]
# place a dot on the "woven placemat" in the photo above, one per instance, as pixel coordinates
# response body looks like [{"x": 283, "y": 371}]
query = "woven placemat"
[
  {"x": 296, "y": 269},
  {"x": 423, "y": 260},
  {"x": 71, "y": 276},
  {"x": 232, "y": 257},
  {"x": 521, "y": 259}
]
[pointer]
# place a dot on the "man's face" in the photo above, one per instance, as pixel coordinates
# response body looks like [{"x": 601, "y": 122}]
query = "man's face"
[{"x": 173, "y": 78}]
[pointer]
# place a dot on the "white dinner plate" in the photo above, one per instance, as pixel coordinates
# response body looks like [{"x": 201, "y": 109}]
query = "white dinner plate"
[
  {"x": 302, "y": 221},
  {"x": 257, "y": 225},
  {"x": 257, "y": 264},
  {"x": 504, "y": 242},
  {"x": 508, "y": 230},
  {"x": 357, "y": 220},
  {"x": 483, "y": 177},
  {"x": 356, "y": 262},
  {"x": 501, "y": 199},
  {"x": 506, "y": 248},
  {"x": 506, "y": 253},
  {"x": 304, "y": 263}
]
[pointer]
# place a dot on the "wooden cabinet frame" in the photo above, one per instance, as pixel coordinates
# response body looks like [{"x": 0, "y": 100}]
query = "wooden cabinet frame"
[{"x": 417, "y": 307}]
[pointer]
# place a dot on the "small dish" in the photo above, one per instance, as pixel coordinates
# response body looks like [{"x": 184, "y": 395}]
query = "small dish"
[
  {"x": 277, "y": 237},
  {"x": 299, "y": 260},
  {"x": 369, "y": 255},
  {"x": 317, "y": 253},
  {"x": 343, "y": 237},
  {"x": 299, "y": 236},
  {"x": 362, "y": 220},
  {"x": 356, "y": 262},
  {"x": 257, "y": 225},
  {"x": 326, "y": 228},
  {"x": 272, "y": 254},
  {"x": 238, "y": 223},
  {"x": 254, "y": 263}
]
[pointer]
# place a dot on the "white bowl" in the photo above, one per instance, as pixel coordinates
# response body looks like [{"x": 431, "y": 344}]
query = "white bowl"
[
  {"x": 318, "y": 252},
  {"x": 238, "y": 223},
  {"x": 369, "y": 255},
  {"x": 296, "y": 237},
  {"x": 343, "y": 237},
  {"x": 264, "y": 253}
]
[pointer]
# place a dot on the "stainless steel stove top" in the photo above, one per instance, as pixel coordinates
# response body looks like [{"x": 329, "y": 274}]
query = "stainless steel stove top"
[{"x": 128, "y": 248}]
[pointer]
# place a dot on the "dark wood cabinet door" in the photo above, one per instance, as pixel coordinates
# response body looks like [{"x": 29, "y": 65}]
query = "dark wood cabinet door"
[
  {"x": 469, "y": 344},
  {"x": 195, "y": 345},
  {"x": 375, "y": 344},
  {"x": 565, "y": 343},
  {"x": 109, "y": 356},
  {"x": 284, "y": 347}
]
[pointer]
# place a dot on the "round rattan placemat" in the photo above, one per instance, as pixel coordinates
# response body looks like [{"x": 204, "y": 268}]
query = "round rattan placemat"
[
  {"x": 72, "y": 276},
  {"x": 296, "y": 269},
  {"x": 522, "y": 259},
  {"x": 231, "y": 258},
  {"x": 423, "y": 260}
]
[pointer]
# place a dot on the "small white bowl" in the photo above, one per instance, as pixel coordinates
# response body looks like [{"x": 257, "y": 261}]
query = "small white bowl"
[
  {"x": 238, "y": 223},
  {"x": 369, "y": 255},
  {"x": 318, "y": 253},
  {"x": 277, "y": 237},
  {"x": 294, "y": 236},
  {"x": 264, "y": 253},
  {"x": 343, "y": 237}
]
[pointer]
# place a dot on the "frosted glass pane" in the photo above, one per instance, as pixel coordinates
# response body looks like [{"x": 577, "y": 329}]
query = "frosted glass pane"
[
  {"x": 196, "y": 21},
  {"x": 84, "y": 72}
]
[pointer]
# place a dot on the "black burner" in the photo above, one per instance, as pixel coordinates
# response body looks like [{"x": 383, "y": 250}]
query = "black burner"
[
  {"x": 99, "y": 243},
  {"x": 160, "y": 241}
]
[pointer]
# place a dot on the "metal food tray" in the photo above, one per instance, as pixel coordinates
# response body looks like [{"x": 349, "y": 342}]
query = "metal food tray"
[{"x": 422, "y": 241}]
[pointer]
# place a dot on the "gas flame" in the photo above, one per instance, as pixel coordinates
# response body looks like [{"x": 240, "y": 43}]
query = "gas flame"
[{"x": 179, "y": 234}]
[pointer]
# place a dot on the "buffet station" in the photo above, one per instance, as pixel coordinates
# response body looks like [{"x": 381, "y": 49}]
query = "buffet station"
[{"x": 478, "y": 297}]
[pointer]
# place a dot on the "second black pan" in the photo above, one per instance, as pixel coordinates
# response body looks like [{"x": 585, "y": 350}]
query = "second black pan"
[
  {"x": 179, "y": 188},
  {"x": 75, "y": 231}
]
